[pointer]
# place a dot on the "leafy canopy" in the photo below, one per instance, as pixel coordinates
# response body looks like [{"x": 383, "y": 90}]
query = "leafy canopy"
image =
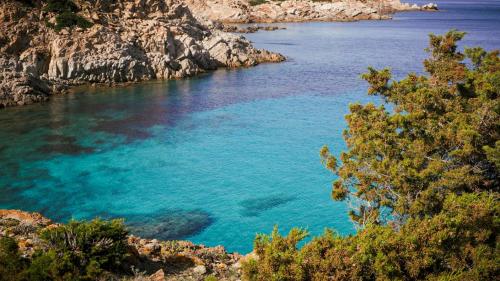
[
  {"x": 75, "y": 251},
  {"x": 430, "y": 167},
  {"x": 443, "y": 136}
]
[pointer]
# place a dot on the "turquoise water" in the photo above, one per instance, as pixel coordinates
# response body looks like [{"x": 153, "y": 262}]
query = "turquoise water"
[{"x": 220, "y": 157}]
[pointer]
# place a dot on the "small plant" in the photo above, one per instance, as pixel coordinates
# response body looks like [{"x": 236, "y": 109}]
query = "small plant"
[
  {"x": 80, "y": 250},
  {"x": 211, "y": 278},
  {"x": 70, "y": 19},
  {"x": 279, "y": 257},
  {"x": 60, "y": 6},
  {"x": 11, "y": 263},
  {"x": 256, "y": 2},
  {"x": 66, "y": 15}
]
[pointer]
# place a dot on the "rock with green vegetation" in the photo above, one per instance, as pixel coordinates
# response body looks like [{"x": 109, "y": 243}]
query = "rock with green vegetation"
[
  {"x": 424, "y": 176},
  {"x": 34, "y": 248},
  {"x": 442, "y": 136},
  {"x": 49, "y": 45}
]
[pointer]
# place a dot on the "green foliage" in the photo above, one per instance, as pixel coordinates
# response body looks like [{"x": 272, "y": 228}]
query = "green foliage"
[
  {"x": 83, "y": 249},
  {"x": 459, "y": 243},
  {"x": 60, "y": 6},
  {"x": 441, "y": 138},
  {"x": 433, "y": 162},
  {"x": 66, "y": 15},
  {"x": 29, "y": 3},
  {"x": 256, "y": 2},
  {"x": 11, "y": 263},
  {"x": 70, "y": 19},
  {"x": 75, "y": 251},
  {"x": 211, "y": 278},
  {"x": 279, "y": 258}
]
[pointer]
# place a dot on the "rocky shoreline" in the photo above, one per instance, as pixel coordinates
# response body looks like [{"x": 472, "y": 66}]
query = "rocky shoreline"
[
  {"x": 149, "y": 259},
  {"x": 272, "y": 11},
  {"x": 128, "y": 41}
]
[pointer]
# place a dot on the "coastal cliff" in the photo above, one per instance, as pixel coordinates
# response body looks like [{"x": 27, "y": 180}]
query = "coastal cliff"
[
  {"x": 260, "y": 11},
  {"x": 144, "y": 259},
  {"x": 46, "y": 48}
]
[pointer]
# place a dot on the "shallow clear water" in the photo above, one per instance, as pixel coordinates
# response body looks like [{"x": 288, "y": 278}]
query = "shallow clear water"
[{"x": 218, "y": 158}]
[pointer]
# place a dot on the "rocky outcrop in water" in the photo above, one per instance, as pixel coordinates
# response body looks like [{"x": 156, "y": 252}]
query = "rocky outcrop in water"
[
  {"x": 128, "y": 41},
  {"x": 153, "y": 260},
  {"x": 245, "y": 11},
  {"x": 430, "y": 7}
]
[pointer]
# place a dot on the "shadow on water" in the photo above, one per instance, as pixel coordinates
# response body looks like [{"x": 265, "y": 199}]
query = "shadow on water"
[
  {"x": 166, "y": 224},
  {"x": 59, "y": 144},
  {"x": 255, "y": 206}
]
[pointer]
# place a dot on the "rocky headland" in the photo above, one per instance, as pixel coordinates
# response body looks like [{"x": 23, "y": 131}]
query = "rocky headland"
[
  {"x": 270, "y": 11},
  {"x": 48, "y": 46},
  {"x": 45, "y": 49},
  {"x": 147, "y": 259}
]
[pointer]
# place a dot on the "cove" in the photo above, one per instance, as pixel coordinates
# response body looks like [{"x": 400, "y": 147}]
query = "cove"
[{"x": 219, "y": 157}]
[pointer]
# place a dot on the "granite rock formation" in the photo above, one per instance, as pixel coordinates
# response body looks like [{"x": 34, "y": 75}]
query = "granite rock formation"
[
  {"x": 129, "y": 41},
  {"x": 246, "y": 11},
  {"x": 154, "y": 260}
]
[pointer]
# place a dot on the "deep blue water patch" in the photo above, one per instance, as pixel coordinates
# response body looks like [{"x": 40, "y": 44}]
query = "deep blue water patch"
[
  {"x": 223, "y": 156},
  {"x": 255, "y": 206},
  {"x": 167, "y": 224}
]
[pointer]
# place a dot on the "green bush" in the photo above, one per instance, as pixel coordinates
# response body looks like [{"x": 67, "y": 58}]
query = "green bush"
[
  {"x": 84, "y": 248},
  {"x": 442, "y": 136},
  {"x": 459, "y": 242},
  {"x": 211, "y": 278},
  {"x": 256, "y": 2},
  {"x": 60, "y": 6},
  {"x": 66, "y": 15},
  {"x": 11, "y": 263},
  {"x": 75, "y": 251},
  {"x": 70, "y": 19},
  {"x": 279, "y": 257},
  {"x": 432, "y": 162}
]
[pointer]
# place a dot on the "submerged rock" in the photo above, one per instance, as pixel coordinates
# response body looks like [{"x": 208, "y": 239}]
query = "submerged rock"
[
  {"x": 168, "y": 224},
  {"x": 154, "y": 259},
  {"x": 255, "y": 206},
  {"x": 129, "y": 41}
]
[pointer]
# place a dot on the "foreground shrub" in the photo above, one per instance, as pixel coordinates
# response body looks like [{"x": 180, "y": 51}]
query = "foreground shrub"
[
  {"x": 82, "y": 249},
  {"x": 457, "y": 244},
  {"x": 424, "y": 178},
  {"x": 279, "y": 257},
  {"x": 11, "y": 263},
  {"x": 75, "y": 251},
  {"x": 442, "y": 137}
]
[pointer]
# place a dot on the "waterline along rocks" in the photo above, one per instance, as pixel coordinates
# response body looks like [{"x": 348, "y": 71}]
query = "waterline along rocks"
[
  {"x": 44, "y": 50},
  {"x": 147, "y": 259},
  {"x": 247, "y": 11}
]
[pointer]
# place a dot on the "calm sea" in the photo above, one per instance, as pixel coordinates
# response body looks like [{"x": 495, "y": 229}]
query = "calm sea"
[{"x": 220, "y": 157}]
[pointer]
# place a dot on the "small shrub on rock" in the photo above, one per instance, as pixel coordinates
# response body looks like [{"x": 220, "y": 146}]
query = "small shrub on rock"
[
  {"x": 70, "y": 19},
  {"x": 60, "y": 6},
  {"x": 79, "y": 251},
  {"x": 256, "y": 2},
  {"x": 11, "y": 263}
]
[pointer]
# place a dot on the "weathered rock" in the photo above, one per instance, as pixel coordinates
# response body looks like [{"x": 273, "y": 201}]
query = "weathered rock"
[
  {"x": 130, "y": 41},
  {"x": 249, "y": 29},
  {"x": 200, "y": 269},
  {"x": 173, "y": 260},
  {"x": 157, "y": 276},
  {"x": 430, "y": 7},
  {"x": 241, "y": 11}
]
